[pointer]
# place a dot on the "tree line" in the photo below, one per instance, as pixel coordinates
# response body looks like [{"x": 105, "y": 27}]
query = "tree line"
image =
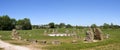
[
  {"x": 63, "y": 25},
  {"x": 106, "y": 26},
  {"x": 7, "y": 23},
  {"x": 52, "y": 25}
]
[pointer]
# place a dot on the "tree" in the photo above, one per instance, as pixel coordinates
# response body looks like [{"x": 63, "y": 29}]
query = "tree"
[
  {"x": 106, "y": 26},
  {"x": 19, "y": 24},
  {"x": 68, "y": 26},
  {"x": 116, "y": 26},
  {"x": 24, "y": 24},
  {"x": 27, "y": 24},
  {"x": 5, "y": 23},
  {"x": 56, "y": 25},
  {"x": 112, "y": 26},
  {"x": 13, "y": 22},
  {"x": 62, "y": 25},
  {"x": 93, "y": 26},
  {"x": 51, "y": 25},
  {"x": 79, "y": 27},
  {"x": 35, "y": 26}
]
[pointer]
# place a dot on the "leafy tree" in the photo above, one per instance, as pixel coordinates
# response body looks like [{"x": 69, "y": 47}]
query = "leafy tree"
[
  {"x": 35, "y": 26},
  {"x": 106, "y": 26},
  {"x": 112, "y": 25},
  {"x": 62, "y": 25},
  {"x": 5, "y": 23},
  {"x": 93, "y": 26},
  {"x": 19, "y": 24},
  {"x": 68, "y": 26},
  {"x": 13, "y": 22},
  {"x": 56, "y": 25},
  {"x": 79, "y": 27},
  {"x": 24, "y": 24},
  {"x": 116, "y": 26},
  {"x": 27, "y": 24},
  {"x": 51, "y": 25}
]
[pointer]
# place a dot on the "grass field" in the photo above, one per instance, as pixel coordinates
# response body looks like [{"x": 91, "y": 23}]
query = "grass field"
[{"x": 113, "y": 43}]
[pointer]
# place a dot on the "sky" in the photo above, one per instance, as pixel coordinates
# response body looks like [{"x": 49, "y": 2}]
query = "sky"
[{"x": 74, "y": 12}]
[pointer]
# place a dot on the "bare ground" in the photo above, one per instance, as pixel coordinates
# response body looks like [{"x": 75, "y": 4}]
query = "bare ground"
[{"x": 8, "y": 46}]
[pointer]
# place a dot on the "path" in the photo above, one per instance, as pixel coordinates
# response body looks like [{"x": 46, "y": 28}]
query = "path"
[{"x": 8, "y": 46}]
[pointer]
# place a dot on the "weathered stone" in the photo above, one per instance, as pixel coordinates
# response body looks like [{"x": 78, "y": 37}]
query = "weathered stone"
[
  {"x": 34, "y": 41},
  {"x": 43, "y": 42},
  {"x": 98, "y": 34},
  {"x": 15, "y": 35},
  {"x": 107, "y": 36},
  {"x": 49, "y": 30},
  {"x": 89, "y": 35},
  {"x": 67, "y": 31},
  {"x": 56, "y": 31},
  {"x": 45, "y": 32},
  {"x": 31, "y": 41},
  {"x": 53, "y": 31},
  {"x": 93, "y": 34},
  {"x": 74, "y": 41},
  {"x": 56, "y": 42}
]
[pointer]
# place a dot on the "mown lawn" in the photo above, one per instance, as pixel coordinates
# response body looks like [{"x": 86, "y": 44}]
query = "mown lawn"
[{"x": 37, "y": 34}]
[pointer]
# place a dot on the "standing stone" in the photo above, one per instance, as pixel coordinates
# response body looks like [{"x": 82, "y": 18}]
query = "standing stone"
[
  {"x": 56, "y": 31},
  {"x": 49, "y": 30},
  {"x": 45, "y": 32},
  {"x": 15, "y": 35},
  {"x": 98, "y": 34},
  {"x": 73, "y": 34},
  {"x": 53, "y": 31},
  {"x": 67, "y": 32},
  {"x": 78, "y": 30},
  {"x": 83, "y": 30},
  {"x": 107, "y": 36},
  {"x": 87, "y": 38},
  {"x": 89, "y": 35}
]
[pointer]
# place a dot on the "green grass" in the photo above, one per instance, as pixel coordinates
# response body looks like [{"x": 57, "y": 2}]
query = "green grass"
[{"x": 37, "y": 34}]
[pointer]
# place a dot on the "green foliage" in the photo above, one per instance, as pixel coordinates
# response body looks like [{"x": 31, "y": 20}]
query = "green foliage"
[
  {"x": 24, "y": 24},
  {"x": 7, "y": 23},
  {"x": 112, "y": 26},
  {"x": 68, "y": 26},
  {"x": 62, "y": 25},
  {"x": 27, "y": 24},
  {"x": 93, "y": 26},
  {"x": 51, "y": 25},
  {"x": 35, "y": 26},
  {"x": 106, "y": 26}
]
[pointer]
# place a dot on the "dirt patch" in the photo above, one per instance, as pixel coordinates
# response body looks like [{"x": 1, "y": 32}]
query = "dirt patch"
[{"x": 8, "y": 46}]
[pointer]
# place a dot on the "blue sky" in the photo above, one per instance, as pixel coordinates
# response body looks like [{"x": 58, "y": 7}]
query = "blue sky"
[{"x": 75, "y": 12}]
